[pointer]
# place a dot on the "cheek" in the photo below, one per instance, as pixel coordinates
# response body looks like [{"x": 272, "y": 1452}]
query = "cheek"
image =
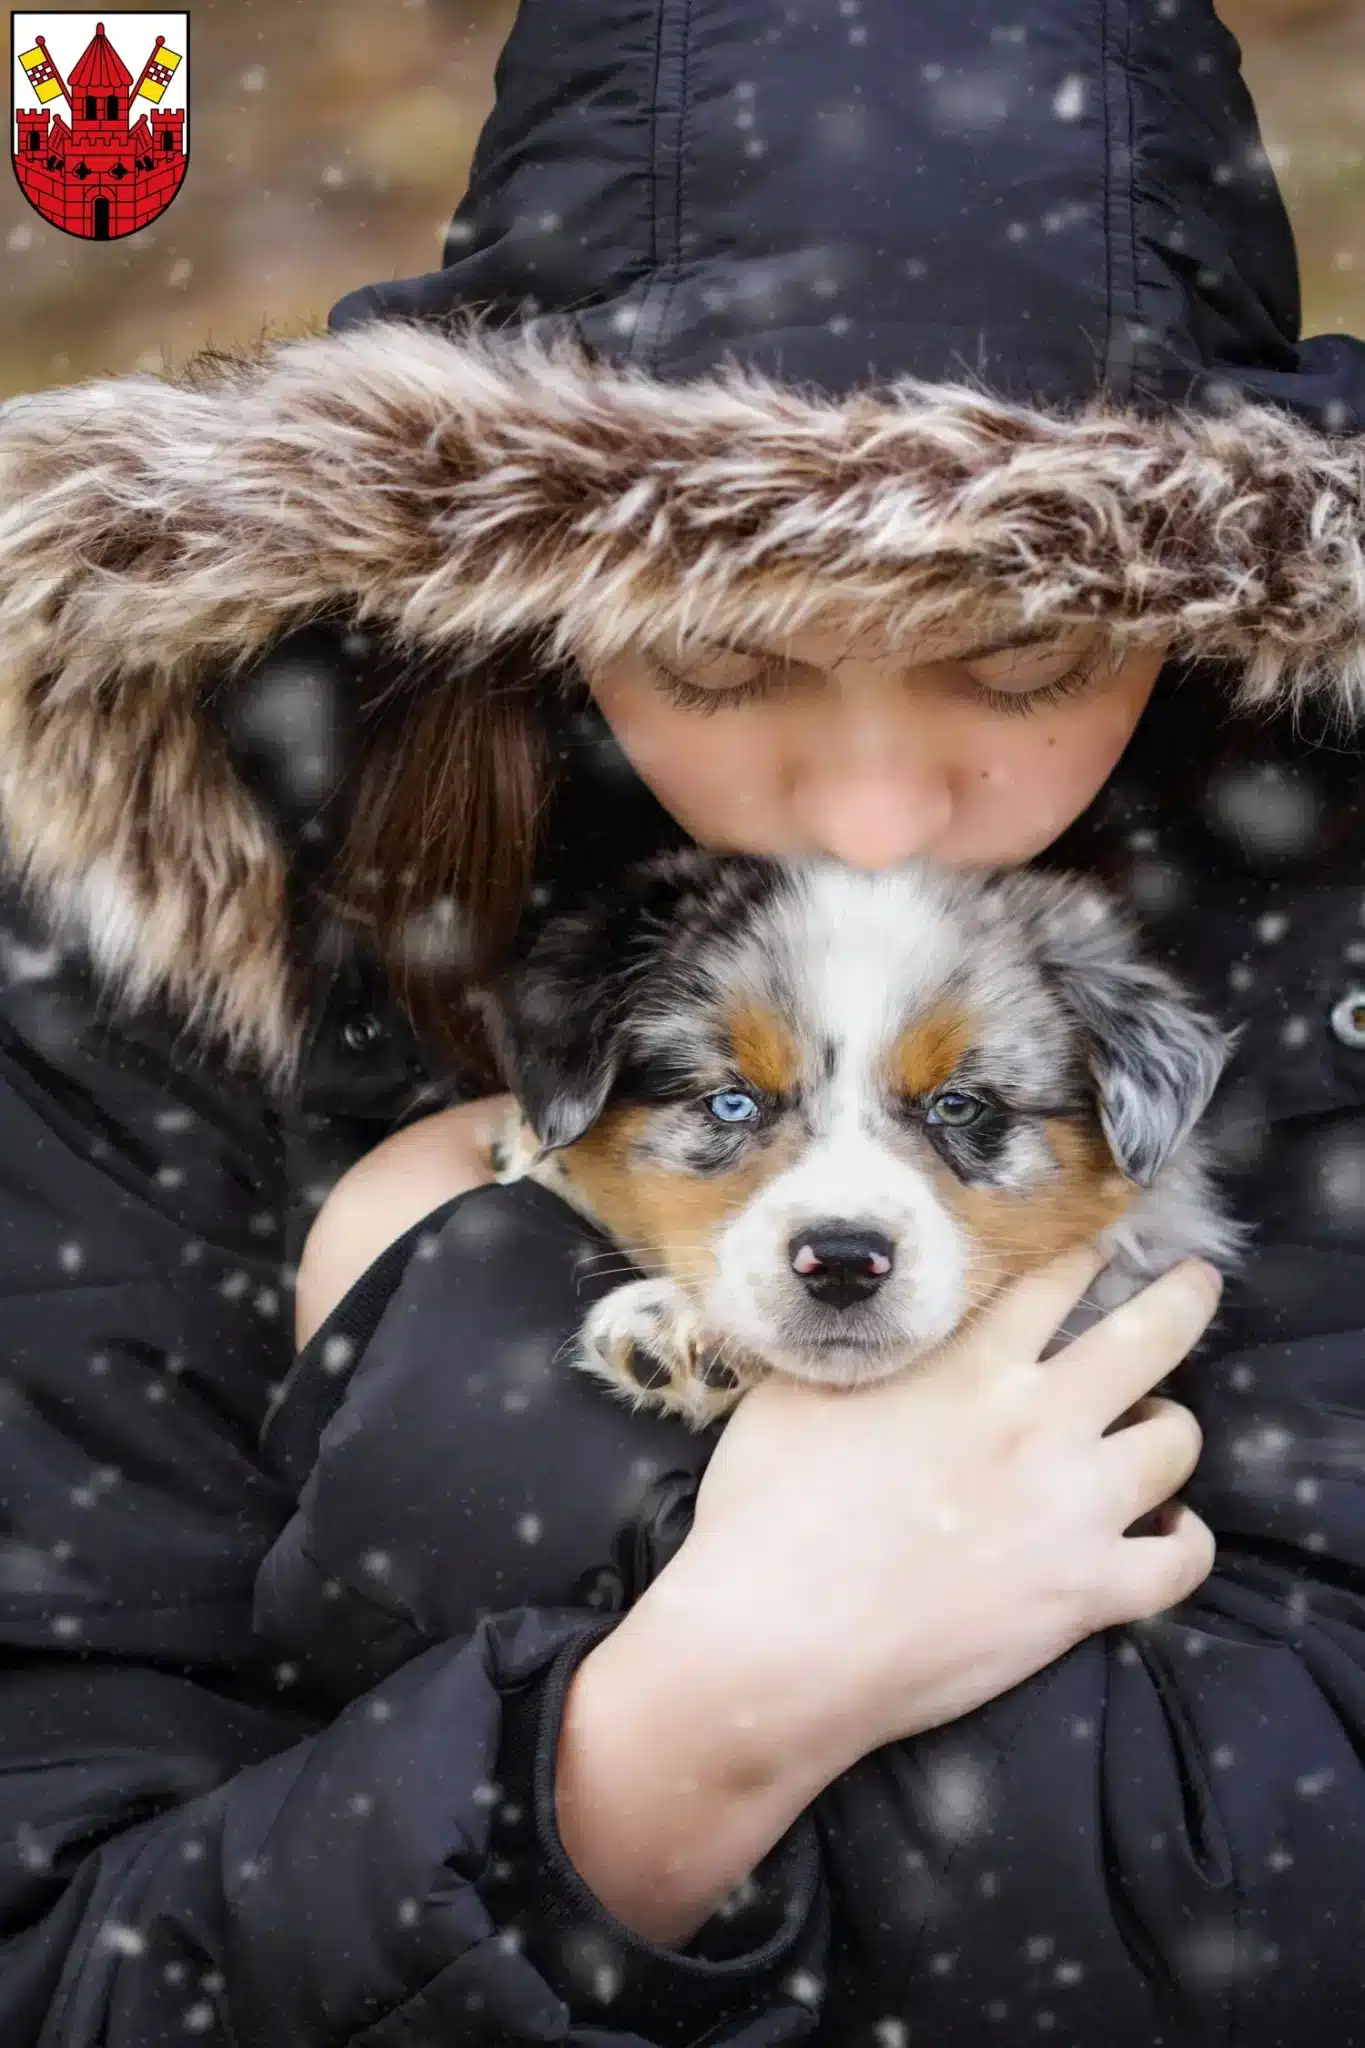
[
  {"x": 669, "y": 1218},
  {"x": 1012, "y": 1232},
  {"x": 1033, "y": 778},
  {"x": 716, "y": 776}
]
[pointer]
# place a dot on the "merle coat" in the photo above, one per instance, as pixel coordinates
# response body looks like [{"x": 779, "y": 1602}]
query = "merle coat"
[{"x": 287, "y": 1639}]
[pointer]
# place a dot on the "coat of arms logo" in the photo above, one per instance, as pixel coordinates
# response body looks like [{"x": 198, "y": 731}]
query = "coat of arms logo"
[{"x": 100, "y": 145}]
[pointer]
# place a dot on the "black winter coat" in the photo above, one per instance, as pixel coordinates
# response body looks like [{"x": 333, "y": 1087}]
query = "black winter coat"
[
  {"x": 287, "y": 1638},
  {"x": 287, "y": 1648}
]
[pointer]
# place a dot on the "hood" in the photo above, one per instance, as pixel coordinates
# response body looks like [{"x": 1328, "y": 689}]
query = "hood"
[
  {"x": 1044, "y": 201},
  {"x": 447, "y": 470}
]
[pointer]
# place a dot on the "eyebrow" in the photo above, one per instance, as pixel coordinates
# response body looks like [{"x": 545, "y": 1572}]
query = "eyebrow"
[{"x": 978, "y": 652}]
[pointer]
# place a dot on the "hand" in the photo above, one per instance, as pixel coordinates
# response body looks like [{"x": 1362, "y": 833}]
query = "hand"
[
  {"x": 878, "y": 1561},
  {"x": 867, "y": 1564}
]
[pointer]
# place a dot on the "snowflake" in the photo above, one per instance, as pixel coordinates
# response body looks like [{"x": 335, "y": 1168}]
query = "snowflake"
[
  {"x": 606, "y": 1982},
  {"x": 804, "y": 1986},
  {"x": 1272, "y": 815},
  {"x": 957, "y": 1791},
  {"x": 33, "y": 1854},
  {"x": 124, "y": 1940}
]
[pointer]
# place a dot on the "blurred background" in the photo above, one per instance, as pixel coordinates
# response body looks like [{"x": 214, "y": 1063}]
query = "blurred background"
[{"x": 331, "y": 138}]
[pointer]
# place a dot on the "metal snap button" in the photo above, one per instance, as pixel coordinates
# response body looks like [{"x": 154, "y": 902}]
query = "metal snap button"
[
  {"x": 359, "y": 1033},
  {"x": 1348, "y": 1018}
]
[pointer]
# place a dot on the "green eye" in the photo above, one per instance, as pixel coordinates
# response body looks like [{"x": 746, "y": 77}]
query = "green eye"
[{"x": 955, "y": 1109}]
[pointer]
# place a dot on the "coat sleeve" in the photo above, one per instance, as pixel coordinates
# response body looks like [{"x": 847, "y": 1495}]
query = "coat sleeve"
[
  {"x": 468, "y": 1502},
  {"x": 201, "y": 1836},
  {"x": 330, "y": 1890}
]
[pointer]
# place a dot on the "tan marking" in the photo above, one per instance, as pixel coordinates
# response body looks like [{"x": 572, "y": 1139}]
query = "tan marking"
[
  {"x": 1010, "y": 1233},
  {"x": 929, "y": 1052},
  {"x": 765, "y": 1049},
  {"x": 668, "y": 1221}
]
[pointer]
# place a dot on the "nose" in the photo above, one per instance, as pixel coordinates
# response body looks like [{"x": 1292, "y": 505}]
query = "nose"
[
  {"x": 840, "y": 1262},
  {"x": 874, "y": 824}
]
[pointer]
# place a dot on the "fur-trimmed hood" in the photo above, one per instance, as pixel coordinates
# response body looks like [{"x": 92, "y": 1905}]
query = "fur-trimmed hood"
[
  {"x": 922, "y": 320},
  {"x": 159, "y": 534}
]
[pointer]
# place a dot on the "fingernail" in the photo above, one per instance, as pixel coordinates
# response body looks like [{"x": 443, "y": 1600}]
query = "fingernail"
[{"x": 1210, "y": 1273}]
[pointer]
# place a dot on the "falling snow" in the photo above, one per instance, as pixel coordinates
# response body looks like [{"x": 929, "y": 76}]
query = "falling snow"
[
  {"x": 1272, "y": 1468},
  {"x": 1069, "y": 101}
]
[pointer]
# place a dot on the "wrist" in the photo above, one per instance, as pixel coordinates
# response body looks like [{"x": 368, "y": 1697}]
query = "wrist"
[
  {"x": 678, "y": 1769},
  {"x": 760, "y": 1687}
]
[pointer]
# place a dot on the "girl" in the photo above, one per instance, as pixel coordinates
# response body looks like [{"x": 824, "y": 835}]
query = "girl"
[{"x": 416, "y": 1691}]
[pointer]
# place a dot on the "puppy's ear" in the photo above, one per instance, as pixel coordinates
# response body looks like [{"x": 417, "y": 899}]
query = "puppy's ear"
[
  {"x": 558, "y": 1040},
  {"x": 1154, "y": 1057},
  {"x": 559, "y": 1019}
]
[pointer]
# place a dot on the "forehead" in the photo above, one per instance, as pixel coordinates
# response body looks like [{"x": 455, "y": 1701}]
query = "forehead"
[{"x": 909, "y": 970}]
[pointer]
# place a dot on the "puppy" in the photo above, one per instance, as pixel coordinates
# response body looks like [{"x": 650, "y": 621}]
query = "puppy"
[{"x": 830, "y": 1114}]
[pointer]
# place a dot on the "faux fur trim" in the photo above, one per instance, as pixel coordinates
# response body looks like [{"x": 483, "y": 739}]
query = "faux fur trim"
[{"x": 460, "y": 488}]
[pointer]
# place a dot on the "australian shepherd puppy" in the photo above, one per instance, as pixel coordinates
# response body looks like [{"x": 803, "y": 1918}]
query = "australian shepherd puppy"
[{"x": 829, "y": 1114}]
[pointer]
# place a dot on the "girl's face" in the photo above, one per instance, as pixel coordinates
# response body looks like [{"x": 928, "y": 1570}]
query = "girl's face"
[{"x": 977, "y": 756}]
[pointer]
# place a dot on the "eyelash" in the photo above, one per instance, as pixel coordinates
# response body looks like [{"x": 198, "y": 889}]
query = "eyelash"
[{"x": 1012, "y": 703}]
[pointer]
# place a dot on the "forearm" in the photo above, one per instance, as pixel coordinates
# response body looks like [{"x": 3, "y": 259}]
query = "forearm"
[{"x": 679, "y": 1766}]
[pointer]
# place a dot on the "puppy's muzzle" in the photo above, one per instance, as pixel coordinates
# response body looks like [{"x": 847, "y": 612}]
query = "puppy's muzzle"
[{"x": 841, "y": 1264}]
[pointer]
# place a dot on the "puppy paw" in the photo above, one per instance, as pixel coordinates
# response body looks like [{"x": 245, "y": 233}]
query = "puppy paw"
[
  {"x": 511, "y": 1148},
  {"x": 645, "y": 1342}
]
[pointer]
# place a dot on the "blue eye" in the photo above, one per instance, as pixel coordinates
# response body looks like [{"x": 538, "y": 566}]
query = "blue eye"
[
  {"x": 955, "y": 1110},
  {"x": 732, "y": 1107}
]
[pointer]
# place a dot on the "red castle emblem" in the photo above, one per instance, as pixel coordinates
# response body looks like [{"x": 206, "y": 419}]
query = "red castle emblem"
[{"x": 115, "y": 167}]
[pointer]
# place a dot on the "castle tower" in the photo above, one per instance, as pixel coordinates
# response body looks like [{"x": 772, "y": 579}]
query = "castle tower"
[
  {"x": 168, "y": 132},
  {"x": 33, "y": 127},
  {"x": 99, "y": 84}
]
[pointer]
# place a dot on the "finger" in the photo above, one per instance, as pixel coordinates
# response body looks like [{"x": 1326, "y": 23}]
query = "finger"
[
  {"x": 1032, "y": 1309},
  {"x": 1154, "y": 1573},
  {"x": 1152, "y": 1458},
  {"x": 1105, "y": 1370}
]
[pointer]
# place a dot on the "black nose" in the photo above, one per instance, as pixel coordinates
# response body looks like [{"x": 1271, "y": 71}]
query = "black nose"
[{"x": 841, "y": 1263}]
